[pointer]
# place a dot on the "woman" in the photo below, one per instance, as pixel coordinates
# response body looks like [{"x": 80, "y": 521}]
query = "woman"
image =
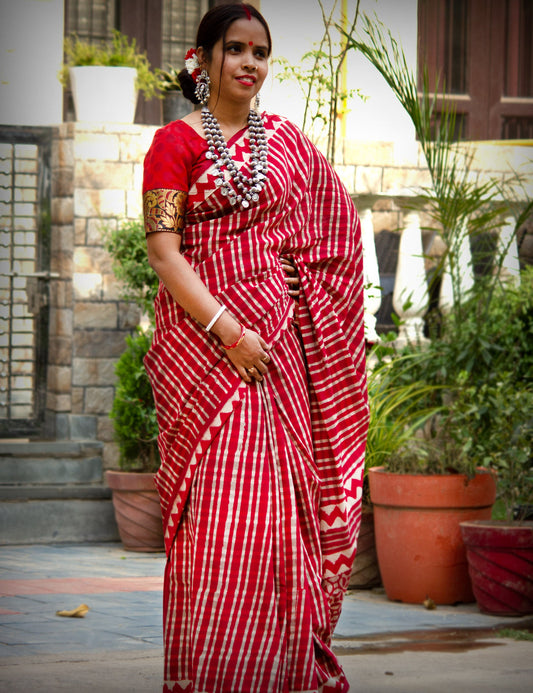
[{"x": 258, "y": 371}]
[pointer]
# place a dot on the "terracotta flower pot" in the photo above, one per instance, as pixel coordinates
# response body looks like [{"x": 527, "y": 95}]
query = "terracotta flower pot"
[
  {"x": 137, "y": 510},
  {"x": 417, "y": 519},
  {"x": 500, "y": 561}
]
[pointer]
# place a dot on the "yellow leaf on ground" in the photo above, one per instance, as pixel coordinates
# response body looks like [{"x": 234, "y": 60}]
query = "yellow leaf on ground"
[{"x": 78, "y": 612}]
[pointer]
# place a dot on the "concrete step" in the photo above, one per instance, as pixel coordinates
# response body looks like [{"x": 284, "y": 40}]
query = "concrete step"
[
  {"x": 50, "y": 448},
  {"x": 57, "y": 521},
  {"x": 54, "y": 491},
  {"x": 49, "y": 470}
]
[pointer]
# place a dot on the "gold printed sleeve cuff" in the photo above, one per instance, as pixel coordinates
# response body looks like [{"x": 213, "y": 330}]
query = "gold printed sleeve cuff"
[{"x": 164, "y": 210}]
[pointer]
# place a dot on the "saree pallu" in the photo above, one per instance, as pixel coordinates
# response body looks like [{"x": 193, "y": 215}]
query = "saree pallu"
[{"x": 260, "y": 483}]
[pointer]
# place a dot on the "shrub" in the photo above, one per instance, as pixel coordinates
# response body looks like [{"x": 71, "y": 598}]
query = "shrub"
[{"x": 133, "y": 410}]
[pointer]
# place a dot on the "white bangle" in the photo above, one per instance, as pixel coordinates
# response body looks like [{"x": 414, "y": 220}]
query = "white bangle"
[{"x": 216, "y": 317}]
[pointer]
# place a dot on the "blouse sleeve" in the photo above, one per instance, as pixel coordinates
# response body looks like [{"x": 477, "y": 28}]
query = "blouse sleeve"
[{"x": 166, "y": 182}]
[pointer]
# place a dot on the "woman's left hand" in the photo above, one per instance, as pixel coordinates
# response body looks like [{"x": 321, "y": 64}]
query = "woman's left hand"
[{"x": 291, "y": 277}]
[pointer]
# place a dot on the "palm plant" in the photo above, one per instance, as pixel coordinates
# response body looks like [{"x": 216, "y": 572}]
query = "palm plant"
[
  {"x": 399, "y": 410},
  {"x": 456, "y": 201},
  {"x": 477, "y": 355}
]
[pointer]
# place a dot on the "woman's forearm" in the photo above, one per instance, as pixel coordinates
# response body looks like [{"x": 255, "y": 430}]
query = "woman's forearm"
[{"x": 187, "y": 289}]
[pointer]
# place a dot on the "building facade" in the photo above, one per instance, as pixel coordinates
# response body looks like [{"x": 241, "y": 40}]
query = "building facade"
[{"x": 63, "y": 183}]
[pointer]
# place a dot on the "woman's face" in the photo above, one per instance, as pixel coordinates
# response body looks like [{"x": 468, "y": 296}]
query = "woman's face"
[{"x": 243, "y": 59}]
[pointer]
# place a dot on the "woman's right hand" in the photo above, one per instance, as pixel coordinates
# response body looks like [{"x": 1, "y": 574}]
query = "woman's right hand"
[{"x": 251, "y": 357}]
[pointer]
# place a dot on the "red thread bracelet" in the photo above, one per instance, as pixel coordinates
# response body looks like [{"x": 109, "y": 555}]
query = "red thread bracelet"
[{"x": 241, "y": 337}]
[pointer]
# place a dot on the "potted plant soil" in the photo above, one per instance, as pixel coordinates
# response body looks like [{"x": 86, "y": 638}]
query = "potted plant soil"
[{"x": 105, "y": 80}]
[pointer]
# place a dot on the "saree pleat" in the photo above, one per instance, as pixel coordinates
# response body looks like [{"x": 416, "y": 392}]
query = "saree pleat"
[
  {"x": 260, "y": 484},
  {"x": 244, "y": 573}
]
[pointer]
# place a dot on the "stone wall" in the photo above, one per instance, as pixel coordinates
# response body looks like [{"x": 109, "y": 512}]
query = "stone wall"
[
  {"x": 385, "y": 178},
  {"x": 96, "y": 182}
]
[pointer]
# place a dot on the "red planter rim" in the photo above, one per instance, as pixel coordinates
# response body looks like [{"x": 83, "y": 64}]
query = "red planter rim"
[{"x": 497, "y": 534}]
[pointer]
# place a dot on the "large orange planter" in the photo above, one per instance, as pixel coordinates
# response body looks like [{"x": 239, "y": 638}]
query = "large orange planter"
[
  {"x": 417, "y": 519},
  {"x": 137, "y": 510}
]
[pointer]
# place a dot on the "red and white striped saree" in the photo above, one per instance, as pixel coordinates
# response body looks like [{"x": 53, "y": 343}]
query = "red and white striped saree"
[{"x": 260, "y": 483}]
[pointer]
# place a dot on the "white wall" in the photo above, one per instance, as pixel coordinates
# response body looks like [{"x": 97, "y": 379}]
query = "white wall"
[
  {"x": 297, "y": 24},
  {"x": 31, "y": 53}
]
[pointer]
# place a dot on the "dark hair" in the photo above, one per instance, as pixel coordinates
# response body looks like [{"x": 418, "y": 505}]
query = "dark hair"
[{"x": 214, "y": 25}]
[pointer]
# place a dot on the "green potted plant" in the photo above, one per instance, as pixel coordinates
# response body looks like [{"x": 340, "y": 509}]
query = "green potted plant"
[
  {"x": 434, "y": 482},
  {"x": 500, "y": 550},
  {"x": 397, "y": 416},
  {"x": 427, "y": 486},
  {"x": 482, "y": 366},
  {"x": 133, "y": 410},
  {"x": 105, "y": 79},
  {"x": 135, "y": 498},
  {"x": 126, "y": 245},
  {"x": 173, "y": 104}
]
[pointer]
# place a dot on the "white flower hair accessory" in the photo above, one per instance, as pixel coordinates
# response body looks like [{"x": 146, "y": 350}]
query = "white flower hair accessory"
[{"x": 192, "y": 64}]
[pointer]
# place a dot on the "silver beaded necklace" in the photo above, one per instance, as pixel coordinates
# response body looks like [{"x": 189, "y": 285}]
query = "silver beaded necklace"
[{"x": 248, "y": 188}]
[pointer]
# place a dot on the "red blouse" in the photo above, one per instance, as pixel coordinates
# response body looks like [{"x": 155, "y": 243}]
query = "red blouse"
[{"x": 174, "y": 161}]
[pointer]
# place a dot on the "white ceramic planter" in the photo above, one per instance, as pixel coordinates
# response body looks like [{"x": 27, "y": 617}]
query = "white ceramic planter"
[{"x": 104, "y": 94}]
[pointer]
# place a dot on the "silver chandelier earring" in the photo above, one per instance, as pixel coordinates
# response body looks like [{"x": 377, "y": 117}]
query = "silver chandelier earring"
[{"x": 202, "y": 90}]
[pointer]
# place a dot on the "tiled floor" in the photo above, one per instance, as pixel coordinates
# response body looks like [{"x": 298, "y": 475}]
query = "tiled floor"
[{"x": 124, "y": 592}]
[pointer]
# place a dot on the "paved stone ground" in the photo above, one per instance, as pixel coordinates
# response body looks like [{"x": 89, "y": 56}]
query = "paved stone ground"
[{"x": 117, "y": 646}]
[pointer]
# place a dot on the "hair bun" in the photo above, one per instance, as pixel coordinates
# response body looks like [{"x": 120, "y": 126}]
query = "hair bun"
[{"x": 188, "y": 86}]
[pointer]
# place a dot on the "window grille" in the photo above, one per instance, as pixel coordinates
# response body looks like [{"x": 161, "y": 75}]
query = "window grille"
[
  {"x": 483, "y": 54},
  {"x": 180, "y": 22},
  {"x": 518, "y": 48},
  {"x": 91, "y": 20}
]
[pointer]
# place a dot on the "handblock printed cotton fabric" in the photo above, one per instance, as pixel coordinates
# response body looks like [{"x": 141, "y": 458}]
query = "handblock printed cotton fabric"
[{"x": 260, "y": 483}]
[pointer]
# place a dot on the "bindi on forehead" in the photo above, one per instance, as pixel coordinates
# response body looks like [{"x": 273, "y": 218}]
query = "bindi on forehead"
[{"x": 250, "y": 43}]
